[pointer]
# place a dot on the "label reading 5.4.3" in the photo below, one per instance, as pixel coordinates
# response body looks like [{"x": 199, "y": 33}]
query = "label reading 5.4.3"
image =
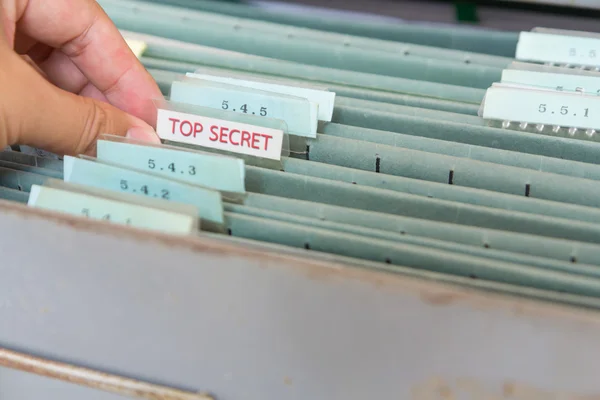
[{"x": 210, "y": 170}]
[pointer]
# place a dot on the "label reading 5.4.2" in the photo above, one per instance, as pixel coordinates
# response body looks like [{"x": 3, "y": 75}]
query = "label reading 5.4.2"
[
  {"x": 145, "y": 190},
  {"x": 113, "y": 177}
]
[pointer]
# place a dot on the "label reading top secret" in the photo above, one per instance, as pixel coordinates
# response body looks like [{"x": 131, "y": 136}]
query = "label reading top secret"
[{"x": 219, "y": 134}]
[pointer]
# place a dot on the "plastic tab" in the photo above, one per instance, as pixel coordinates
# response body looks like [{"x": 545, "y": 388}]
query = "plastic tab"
[
  {"x": 542, "y": 110},
  {"x": 299, "y": 114},
  {"x": 89, "y": 171},
  {"x": 557, "y": 81},
  {"x": 324, "y": 98},
  {"x": 210, "y": 170},
  {"x": 114, "y": 211},
  {"x": 561, "y": 49}
]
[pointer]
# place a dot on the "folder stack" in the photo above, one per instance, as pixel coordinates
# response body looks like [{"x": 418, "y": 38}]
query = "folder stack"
[
  {"x": 361, "y": 143},
  {"x": 405, "y": 176}
]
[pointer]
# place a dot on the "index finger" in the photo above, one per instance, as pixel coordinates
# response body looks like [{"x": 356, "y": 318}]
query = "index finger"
[{"x": 84, "y": 32}]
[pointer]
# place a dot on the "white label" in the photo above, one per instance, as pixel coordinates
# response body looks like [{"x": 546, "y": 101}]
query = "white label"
[
  {"x": 137, "y": 46},
  {"x": 573, "y": 50},
  {"x": 219, "y": 134},
  {"x": 300, "y": 115},
  {"x": 559, "y": 82},
  {"x": 542, "y": 107},
  {"x": 323, "y": 98}
]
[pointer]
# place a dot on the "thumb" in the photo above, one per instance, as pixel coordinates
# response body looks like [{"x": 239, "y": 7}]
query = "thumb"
[{"x": 38, "y": 114}]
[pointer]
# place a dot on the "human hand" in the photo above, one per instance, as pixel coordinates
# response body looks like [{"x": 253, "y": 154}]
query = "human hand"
[{"x": 67, "y": 76}]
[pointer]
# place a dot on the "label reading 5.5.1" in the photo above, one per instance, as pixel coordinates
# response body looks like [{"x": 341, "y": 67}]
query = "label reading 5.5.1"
[{"x": 542, "y": 107}]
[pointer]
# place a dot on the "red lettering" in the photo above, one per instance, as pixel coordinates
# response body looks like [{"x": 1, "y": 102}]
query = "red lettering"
[
  {"x": 255, "y": 140},
  {"x": 224, "y": 131},
  {"x": 189, "y": 124},
  {"x": 236, "y": 137},
  {"x": 246, "y": 138},
  {"x": 175, "y": 121},
  {"x": 198, "y": 128},
  {"x": 215, "y": 133},
  {"x": 267, "y": 137},
  {"x": 231, "y": 137}
]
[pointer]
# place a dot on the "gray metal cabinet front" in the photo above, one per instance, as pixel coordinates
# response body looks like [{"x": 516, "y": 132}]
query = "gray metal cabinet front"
[{"x": 240, "y": 324}]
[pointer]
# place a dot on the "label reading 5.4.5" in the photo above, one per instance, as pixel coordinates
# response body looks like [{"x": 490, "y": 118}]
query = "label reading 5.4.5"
[{"x": 262, "y": 111}]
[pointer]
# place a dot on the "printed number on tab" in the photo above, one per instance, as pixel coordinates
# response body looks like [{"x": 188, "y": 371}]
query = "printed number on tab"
[
  {"x": 564, "y": 110},
  {"x": 190, "y": 170},
  {"x": 86, "y": 212},
  {"x": 244, "y": 108},
  {"x": 161, "y": 193}
]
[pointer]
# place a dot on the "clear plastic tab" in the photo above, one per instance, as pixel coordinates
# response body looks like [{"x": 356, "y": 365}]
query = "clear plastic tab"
[
  {"x": 110, "y": 176},
  {"x": 299, "y": 114},
  {"x": 245, "y": 75},
  {"x": 93, "y": 203},
  {"x": 566, "y": 32},
  {"x": 574, "y": 49},
  {"x": 578, "y": 83},
  {"x": 227, "y": 174},
  {"x": 258, "y": 140},
  {"x": 316, "y": 94},
  {"x": 541, "y": 110},
  {"x": 553, "y": 69}
]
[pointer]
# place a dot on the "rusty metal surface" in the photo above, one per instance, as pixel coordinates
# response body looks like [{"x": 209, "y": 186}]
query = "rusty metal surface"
[
  {"x": 251, "y": 325},
  {"x": 93, "y": 379}
]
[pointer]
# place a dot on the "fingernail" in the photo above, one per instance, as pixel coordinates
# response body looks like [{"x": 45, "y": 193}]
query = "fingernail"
[{"x": 145, "y": 134}]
